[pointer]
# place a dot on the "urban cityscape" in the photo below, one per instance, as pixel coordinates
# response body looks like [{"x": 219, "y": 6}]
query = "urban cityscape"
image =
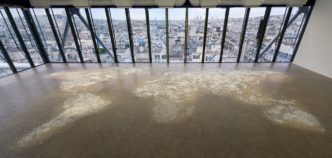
[{"x": 176, "y": 39}]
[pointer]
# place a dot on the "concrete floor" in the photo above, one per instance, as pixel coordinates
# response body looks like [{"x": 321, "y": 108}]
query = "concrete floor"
[{"x": 211, "y": 110}]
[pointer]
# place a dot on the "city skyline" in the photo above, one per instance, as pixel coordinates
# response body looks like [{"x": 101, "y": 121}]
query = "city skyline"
[{"x": 176, "y": 17}]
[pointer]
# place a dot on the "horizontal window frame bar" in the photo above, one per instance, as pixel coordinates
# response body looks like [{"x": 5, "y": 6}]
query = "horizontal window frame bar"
[{"x": 27, "y": 3}]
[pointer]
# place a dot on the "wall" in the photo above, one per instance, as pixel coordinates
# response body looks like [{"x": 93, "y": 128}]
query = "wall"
[{"x": 315, "y": 52}]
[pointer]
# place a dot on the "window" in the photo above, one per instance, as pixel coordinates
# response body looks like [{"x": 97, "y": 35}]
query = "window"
[
  {"x": 45, "y": 32},
  {"x": 139, "y": 35},
  {"x": 196, "y": 21},
  {"x": 272, "y": 33},
  {"x": 11, "y": 44},
  {"x": 104, "y": 42},
  {"x": 214, "y": 34},
  {"x": 26, "y": 35},
  {"x": 121, "y": 34},
  {"x": 176, "y": 30},
  {"x": 84, "y": 36},
  {"x": 289, "y": 41},
  {"x": 158, "y": 34},
  {"x": 179, "y": 41},
  {"x": 59, "y": 18},
  {"x": 249, "y": 47},
  {"x": 234, "y": 30}
]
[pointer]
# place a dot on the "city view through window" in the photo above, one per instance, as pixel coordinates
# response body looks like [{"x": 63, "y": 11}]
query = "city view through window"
[{"x": 185, "y": 35}]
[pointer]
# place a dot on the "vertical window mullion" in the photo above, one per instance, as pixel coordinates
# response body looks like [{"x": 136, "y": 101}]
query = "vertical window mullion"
[
  {"x": 93, "y": 35},
  {"x": 35, "y": 35},
  {"x": 130, "y": 33},
  {"x": 224, "y": 34},
  {"x": 302, "y": 31},
  {"x": 7, "y": 57},
  {"x": 57, "y": 39},
  {"x": 110, "y": 29},
  {"x": 262, "y": 31},
  {"x": 282, "y": 33},
  {"x": 186, "y": 37},
  {"x": 244, "y": 29},
  {"x": 19, "y": 37},
  {"x": 167, "y": 35},
  {"x": 148, "y": 32},
  {"x": 70, "y": 21},
  {"x": 205, "y": 32}
]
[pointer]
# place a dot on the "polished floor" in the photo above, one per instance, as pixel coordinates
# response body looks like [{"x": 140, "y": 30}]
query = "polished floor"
[{"x": 166, "y": 111}]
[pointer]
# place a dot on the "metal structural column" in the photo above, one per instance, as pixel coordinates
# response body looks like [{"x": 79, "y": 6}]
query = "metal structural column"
[
  {"x": 19, "y": 37},
  {"x": 244, "y": 29},
  {"x": 275, "y": 38},
  {"x": 262, "y": 32},
  {"x": 73, "y": 31},
  {"x": 86, "y": 24},
  {"x": 93, "y": 35},
  {"x": 7, "y": 57},
  {"x": 167, "y": 41},
  {"x": 303, "y": 30},
  {"x": 148, "y": 32},
  {"x": 57, "y": 39},
  {"x": 35, "y": 35},
  {"x": 205, "y": 32},
  {"x": 110, "y": 29},
  {"x": 281, "y": 37},
  {"x": 224, "y": 34},
  {"x": 130, "y": 35},
  {"x": 186, "y": 38}
]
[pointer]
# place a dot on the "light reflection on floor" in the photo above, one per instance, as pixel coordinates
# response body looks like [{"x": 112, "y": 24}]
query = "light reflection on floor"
[
  {"x": 74, "y": 108},
  {"x": 172, "y": 89},
  {"x": 178, "y": 108},
  {"x": 81, "y": 105}
]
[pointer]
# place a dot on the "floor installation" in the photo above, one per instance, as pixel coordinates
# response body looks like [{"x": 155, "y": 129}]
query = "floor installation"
[{"x": 177, "y": 110}]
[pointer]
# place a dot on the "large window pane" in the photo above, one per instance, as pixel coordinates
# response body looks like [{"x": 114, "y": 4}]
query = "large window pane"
[
  {"x": 158, "y": 35},
  {"x": 291, "y": 35},
  {"x": 84, "y": 36},
  {"x": 45, "y": 32},
  {"x": 26, "y": 35},
  {"x": 11, "y": 44},
  {"x": 234, "y": 30},
  {"x": 196, "y": 21},
  {"x": 121, "y": 35},
  {"x": 273, "y": 29},
  {"x": 176, "y": 29},
  {"x": 60, "y": 21},
  {"x": 139, "y": 35},
  {"x": 102, "y": 32},
  {"x": 214, "y": 34},
  {"x": 249, "y": 47}
]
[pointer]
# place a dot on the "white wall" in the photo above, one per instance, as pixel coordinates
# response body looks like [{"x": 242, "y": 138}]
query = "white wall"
[{"x": 315, "y": 52}]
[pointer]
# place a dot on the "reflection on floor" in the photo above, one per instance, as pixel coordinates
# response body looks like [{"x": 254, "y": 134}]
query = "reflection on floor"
[{"x": 112, "y": 111}]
